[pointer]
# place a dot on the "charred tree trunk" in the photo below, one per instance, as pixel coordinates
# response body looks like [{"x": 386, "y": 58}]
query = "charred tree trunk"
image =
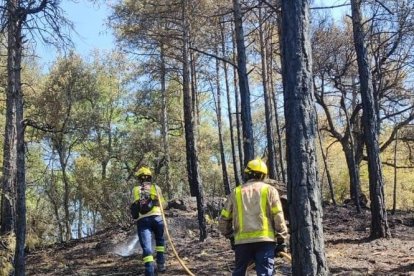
[
  {"x": 279, "y": 139},
  {"x": 379, "y": 223},
  {"x": 194, "y": 177},
  {"x": 267, "y": 103},
  {"x": 237, "y": 104},
  {"x": 194, "y": 89},
  {"x": 328, "y": 174},
  {"x": 19, "y": 257},
  {"x": 13, "y": 209},
  {"x": 353, "y": 167},
  {"x": 80, "y": 217},
  {"x": 9, "y": 192},
  {"x": 15, "y": 48},
  {"x": 164, "y": 121},
  {"x": 246, "y": 116},
  {"x": 232, "y": 139},
  {"x": 394, "y": 194},
  {"x": 305, "y": 208},
  {"x": 226, "y": 183},
  {"x": 274, "y": 92}
]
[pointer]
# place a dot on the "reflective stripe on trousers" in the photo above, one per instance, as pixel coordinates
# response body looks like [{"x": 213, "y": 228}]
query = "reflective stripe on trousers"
[{"x": 148, "y": 226}]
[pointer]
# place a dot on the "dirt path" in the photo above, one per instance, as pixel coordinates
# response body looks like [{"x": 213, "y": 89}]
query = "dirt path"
[{"x": 348, "y": 250}]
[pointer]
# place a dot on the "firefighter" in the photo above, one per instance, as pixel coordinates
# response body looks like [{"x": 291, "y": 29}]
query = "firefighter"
[
  {"x": 146, "y": 209},
  {"x": 253, "y": 219}
]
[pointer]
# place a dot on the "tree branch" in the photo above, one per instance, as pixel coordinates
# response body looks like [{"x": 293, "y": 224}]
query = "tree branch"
[
  {"x": 37, "y": 9},
  {"x": 397, "y": 167},
  {"x": 330, "y": 7},
  {"x": 214, "y": 56},
  {"x": 385, "y": 7},
  {"x": 275, "y": 9}
]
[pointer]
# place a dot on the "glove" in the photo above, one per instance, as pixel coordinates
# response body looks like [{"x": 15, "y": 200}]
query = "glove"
[
  {"x": 232, "y": 244},
  {"x": 280, "y": 247},
  {"x": 134, "y": 209}
]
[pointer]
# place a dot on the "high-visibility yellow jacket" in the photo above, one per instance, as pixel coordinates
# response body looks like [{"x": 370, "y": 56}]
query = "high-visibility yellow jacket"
[
  {"x": 150, "y": 190},
  {"x": 253, "y": 213}
]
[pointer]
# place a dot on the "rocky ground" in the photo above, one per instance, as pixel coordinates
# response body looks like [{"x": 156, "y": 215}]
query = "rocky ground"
[{"x": 116, "y": 251}]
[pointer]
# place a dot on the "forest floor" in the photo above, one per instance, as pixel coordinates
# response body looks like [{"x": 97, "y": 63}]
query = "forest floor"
[{"x": 116, "y": 251}]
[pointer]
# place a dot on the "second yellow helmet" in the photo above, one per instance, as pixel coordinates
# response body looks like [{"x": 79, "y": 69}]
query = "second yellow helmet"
[{"x": 256, "y": 165}]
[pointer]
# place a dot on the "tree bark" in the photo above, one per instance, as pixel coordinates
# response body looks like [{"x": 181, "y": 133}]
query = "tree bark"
[
  {"x": 66, "y": 192},
  {"x": 190, "y": 135},
  {"x": 80, "y": 217},
  {"x": 164, "y": 121},
  {"x": 16, "y": 32},
  {"x": 274, "y": 92},
  {"x": 328, "y": 174},
  {"x": 194, "y": 89},
  {"x": 394, "y": 194},
  {"x": 267, "y": 103},
  {"x": 351, "y": 157},
  {"x": 246, "y": 116},
  {"x": 237, "y": 105},
  {"x": 307, "y": 242},
  {"x": 232, "y": 138},
  {"x": 226, "y": 183},
  {"x": 8, "y": 196},
  {"x": 379, "y": 223},
  {"x": 51, "y": 193}
]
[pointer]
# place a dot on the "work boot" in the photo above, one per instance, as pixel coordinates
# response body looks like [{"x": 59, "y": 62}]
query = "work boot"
[{"x": 161, "y": 268}]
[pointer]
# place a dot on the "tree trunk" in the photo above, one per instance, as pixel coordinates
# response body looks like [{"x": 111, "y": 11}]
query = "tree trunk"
[
  {"x": 164, "y": 121},
  {"x": 350, "y": 157},
  {"x": 226, "y": 79},
  {"x": 237, "y": 105},
  {"x": 267, "y": 103},
  {"x": 274, "y": 93},
  {"x": 190, "y": 136},
  {"x": 279, "y": 149},
  {"x": 394, "y": 194},
  {"x": 8, "y": 196},
  {"x": 328, "y": 174},
  {"x": 226, "y": 183},
  {"x": 66, "y": 192},
  {"x": 80, "y": 218},
  {"x": 16, "y": 32},
  {"x": 379, "y": 223},
  {"x": 307, "y": 242},
  {"x": 246, "y": 116},
  {"x": 52, "y": 198},
  {"x": 194, "y": 89}
]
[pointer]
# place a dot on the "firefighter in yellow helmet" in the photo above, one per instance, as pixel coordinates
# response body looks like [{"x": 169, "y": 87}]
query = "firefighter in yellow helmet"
[
  {"x": 253, "y": 217},
  {"x": 146, "y": 209}
]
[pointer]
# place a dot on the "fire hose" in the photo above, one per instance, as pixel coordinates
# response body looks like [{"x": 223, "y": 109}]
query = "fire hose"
[
  {"x": 170, "y": 240},
  {"x": 282, "y": 254}
]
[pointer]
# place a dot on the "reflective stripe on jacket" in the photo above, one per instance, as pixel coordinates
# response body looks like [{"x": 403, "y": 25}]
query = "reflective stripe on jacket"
[
  {"x": 152, "y": 190},
  {"x": 253, "y": 213}
]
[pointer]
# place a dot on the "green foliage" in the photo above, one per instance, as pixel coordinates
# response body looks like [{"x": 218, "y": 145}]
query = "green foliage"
[
  {"x": 7, "y": 245},
  {"x": 102, "y": 117},
  {"x": 340, "y": 177}
]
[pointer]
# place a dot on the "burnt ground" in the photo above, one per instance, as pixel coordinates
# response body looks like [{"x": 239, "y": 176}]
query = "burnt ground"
[{"x": 348, "y": 250}]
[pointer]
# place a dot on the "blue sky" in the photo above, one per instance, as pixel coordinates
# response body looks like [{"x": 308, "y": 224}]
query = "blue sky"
[{"x": 89, "y": 23}]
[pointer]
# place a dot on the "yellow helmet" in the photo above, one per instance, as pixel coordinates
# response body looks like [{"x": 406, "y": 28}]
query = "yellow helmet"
[
  {"x": 256, "y": 166},
  {"x": 143, "y": 171}
]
